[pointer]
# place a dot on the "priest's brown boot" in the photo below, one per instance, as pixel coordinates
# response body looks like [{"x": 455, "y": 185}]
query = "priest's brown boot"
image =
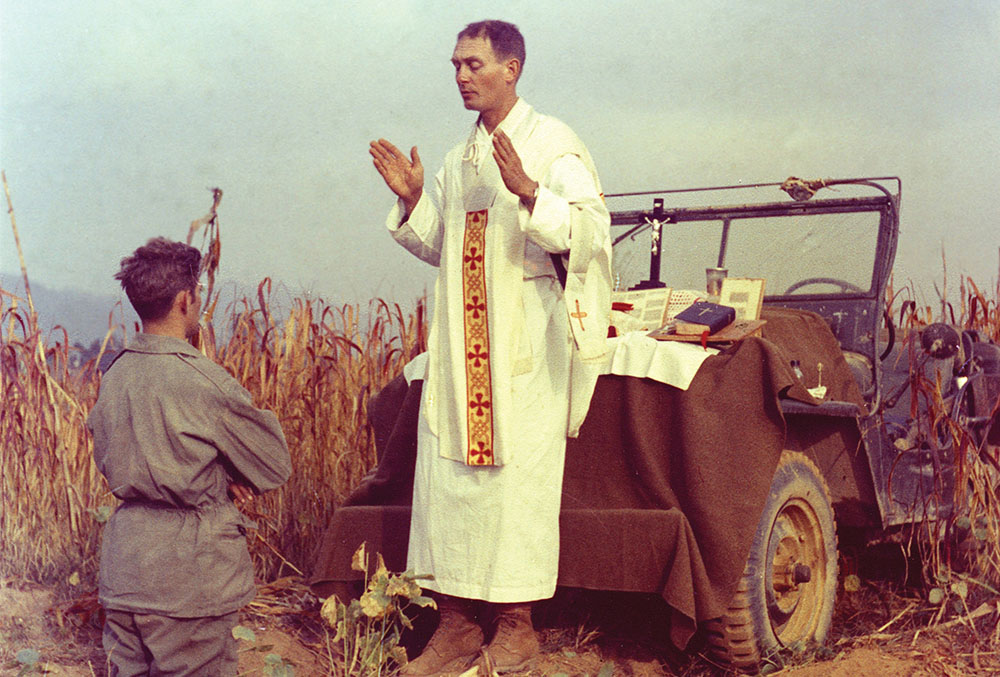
[
  {"x": 454, "y": 644},
  {"x": 515, "y": 645}
]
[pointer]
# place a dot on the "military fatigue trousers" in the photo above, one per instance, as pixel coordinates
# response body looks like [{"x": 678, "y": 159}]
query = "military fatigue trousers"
[{"x": 155, "y": 646}]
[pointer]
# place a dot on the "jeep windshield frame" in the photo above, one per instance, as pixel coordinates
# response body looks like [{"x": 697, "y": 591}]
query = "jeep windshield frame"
[{"x": 831, "y": 254}]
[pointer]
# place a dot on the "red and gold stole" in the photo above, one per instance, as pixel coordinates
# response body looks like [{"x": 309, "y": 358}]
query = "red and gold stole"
[{"x": 479, "y": 410}]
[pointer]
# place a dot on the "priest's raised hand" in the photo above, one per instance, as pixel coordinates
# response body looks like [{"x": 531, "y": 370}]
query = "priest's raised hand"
[
  {"x": 404, "y": 176},
  {"x": 511, "y": 170}
]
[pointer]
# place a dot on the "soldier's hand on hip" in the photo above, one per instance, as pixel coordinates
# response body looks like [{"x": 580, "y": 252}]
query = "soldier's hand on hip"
[
  {"x": 404, "y": 176},
  {"x": 511, "y": 169},
  {"x": 240, "y": 493}
]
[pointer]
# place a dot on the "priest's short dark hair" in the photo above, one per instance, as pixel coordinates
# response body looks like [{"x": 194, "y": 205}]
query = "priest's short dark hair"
[{"x": 504, "y": 37}]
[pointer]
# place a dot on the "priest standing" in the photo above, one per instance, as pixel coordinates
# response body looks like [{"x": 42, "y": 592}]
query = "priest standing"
[{"x": 517, "y": 225}]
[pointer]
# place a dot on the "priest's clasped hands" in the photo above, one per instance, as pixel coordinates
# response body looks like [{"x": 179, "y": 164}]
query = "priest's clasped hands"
[{"x": 405, "y": 176}]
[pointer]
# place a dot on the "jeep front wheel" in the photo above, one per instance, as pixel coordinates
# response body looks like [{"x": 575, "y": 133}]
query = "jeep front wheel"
[{"x": 786, "y": 596}]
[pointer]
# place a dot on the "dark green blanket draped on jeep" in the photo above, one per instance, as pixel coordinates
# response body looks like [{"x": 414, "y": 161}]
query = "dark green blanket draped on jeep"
[{"x": 662, "y": 490}]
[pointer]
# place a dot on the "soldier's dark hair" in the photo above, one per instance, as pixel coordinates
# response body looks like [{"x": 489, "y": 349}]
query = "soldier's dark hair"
[
  {"x": 504, "y": 37},
  {"x": 155, "y": 273}
]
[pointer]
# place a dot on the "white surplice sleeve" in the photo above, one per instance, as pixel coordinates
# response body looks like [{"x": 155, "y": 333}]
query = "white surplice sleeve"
[
  {"x": 565, "y": 194},
  {"x": 422, "y": 233}
]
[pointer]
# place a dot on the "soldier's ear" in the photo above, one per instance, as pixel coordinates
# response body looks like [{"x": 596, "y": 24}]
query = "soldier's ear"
[{"x": 181, "y": 301}]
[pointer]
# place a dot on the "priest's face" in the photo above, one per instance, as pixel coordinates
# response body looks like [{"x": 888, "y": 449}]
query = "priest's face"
[{"x": 485, "y": 82}]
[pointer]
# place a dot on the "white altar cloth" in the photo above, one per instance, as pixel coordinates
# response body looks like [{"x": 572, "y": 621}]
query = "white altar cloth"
[{"x": 633, "y": 354}]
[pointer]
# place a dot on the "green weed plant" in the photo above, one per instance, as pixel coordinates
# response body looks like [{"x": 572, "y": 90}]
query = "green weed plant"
[{"x": 368, "y": 629}]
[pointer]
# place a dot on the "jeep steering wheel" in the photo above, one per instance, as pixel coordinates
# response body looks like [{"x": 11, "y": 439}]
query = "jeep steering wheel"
[{"x": 844, "y": 285}]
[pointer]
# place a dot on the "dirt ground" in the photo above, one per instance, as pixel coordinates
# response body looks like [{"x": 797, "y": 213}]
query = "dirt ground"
[{"x": 878, "y": 631}]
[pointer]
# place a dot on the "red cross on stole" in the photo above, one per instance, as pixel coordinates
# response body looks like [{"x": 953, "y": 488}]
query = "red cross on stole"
[{"x": 479, "y": 390}]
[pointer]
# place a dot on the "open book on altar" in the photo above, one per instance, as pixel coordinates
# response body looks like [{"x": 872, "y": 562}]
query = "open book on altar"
[
  {"x": 639, "y": 310},
  {"x": 649, "y": 309}
]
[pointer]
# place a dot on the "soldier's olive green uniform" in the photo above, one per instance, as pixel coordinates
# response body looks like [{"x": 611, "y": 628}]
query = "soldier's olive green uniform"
[{"x": 171, "y": 429}]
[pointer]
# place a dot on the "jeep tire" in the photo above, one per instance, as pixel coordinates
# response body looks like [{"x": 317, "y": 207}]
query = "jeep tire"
[{"x": 786, "y": 595}]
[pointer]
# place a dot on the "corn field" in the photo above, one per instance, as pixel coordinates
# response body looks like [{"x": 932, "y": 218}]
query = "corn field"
[{"x": 965, "y": 547}]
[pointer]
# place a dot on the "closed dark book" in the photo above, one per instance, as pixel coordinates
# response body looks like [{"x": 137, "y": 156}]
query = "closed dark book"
[{"x": 703, "y": 316}]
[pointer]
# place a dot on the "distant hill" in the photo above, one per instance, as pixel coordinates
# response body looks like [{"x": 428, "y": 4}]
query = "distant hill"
[{"x": 83, "y": 315}]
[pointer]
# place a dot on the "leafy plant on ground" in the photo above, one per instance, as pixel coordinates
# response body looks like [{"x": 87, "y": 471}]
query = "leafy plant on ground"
[
  {"x": 368, "y": 629},
  {"x": 274, "y": 664},
  {"x": 28, "y": 660}
]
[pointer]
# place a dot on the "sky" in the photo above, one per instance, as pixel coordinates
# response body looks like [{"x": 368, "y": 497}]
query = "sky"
[{"x": 117, "y": 117}]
